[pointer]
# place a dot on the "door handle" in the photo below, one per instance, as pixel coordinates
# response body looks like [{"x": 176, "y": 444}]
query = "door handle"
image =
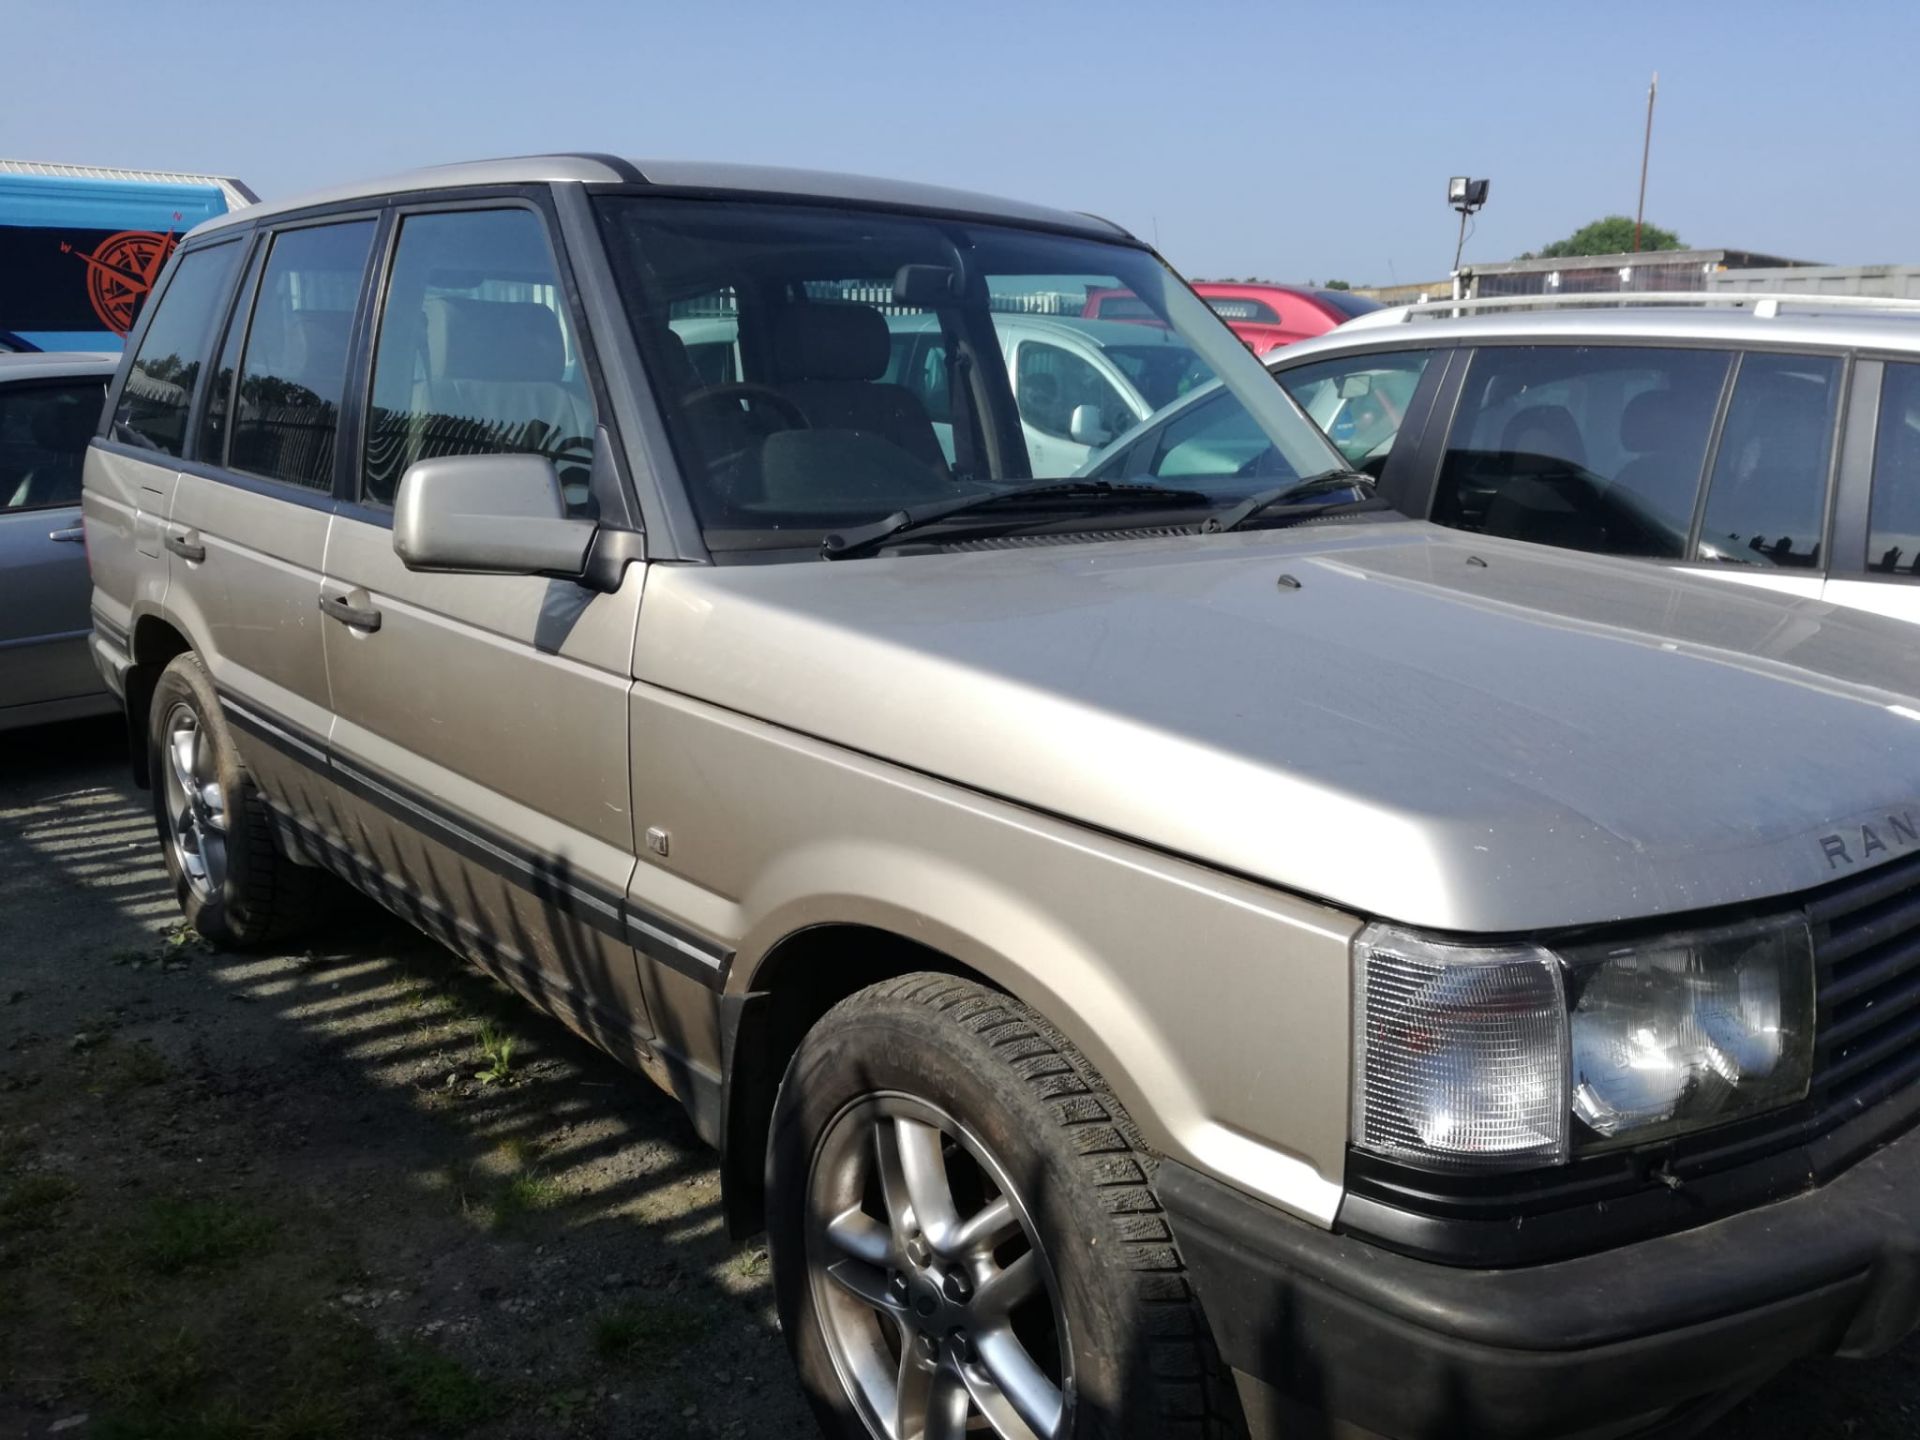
[
  {"x": 352, "y": 616},
  {"x": 68, "y": 537},
  {"x": 186, "y": 549}
]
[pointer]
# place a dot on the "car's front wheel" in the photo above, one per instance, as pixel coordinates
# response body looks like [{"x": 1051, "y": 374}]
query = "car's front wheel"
[{"x": 965, "y": 1237}]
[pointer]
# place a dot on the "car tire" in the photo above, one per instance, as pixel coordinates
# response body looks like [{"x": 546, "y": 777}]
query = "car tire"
[
  {"x": 1018, "y": 1112},
  {"x": 235, "y": 887}
]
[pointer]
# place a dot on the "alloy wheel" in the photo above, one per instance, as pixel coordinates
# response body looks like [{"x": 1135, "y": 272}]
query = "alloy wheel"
[
  {"x": 196, "y": 806},
  {"x": 935, "y": 1297}
]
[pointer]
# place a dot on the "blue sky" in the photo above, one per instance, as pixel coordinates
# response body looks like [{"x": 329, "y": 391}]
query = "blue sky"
[{"x": 1274, "y": 138}]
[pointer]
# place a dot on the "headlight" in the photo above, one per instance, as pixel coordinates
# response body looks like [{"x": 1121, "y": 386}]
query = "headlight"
[
  {"x": 1484, "y": 1057},
  {"x": 1691, "y": 1029}
]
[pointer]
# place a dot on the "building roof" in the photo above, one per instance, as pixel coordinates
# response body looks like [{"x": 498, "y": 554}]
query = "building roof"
[
  {"x": 757, "y": 180},
  {"x": 237, "y": 194}
]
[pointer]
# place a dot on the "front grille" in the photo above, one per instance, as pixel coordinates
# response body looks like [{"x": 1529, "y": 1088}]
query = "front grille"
[{"x": 1866, "y": 945}]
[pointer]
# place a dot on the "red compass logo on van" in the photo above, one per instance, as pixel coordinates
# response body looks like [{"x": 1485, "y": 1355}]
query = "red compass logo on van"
[{"x": 120, "y": 271}]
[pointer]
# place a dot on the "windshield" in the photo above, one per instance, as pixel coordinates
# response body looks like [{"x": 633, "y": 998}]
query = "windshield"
[{"x": 822, "y": 367}]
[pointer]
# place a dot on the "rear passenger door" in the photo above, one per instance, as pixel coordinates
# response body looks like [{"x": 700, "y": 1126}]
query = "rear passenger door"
[
  {"x": 251, "y": 509},
  {"x": 481, "y": 721},
  {"x": 1876, "y": 563}
]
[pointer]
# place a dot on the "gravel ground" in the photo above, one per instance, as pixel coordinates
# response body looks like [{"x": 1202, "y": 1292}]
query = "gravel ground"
[{"x": 357, "y": 1190}]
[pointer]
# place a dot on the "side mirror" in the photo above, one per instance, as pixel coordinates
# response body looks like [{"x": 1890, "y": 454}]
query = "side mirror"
[
  {"x": 1087, "y": 427},
  {"x": 488, "y": 515},
  {"x": 1352, "y": 387}
]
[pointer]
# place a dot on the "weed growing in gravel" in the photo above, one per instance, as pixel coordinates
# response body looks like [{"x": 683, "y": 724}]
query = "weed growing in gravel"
[
  {"x": 33, "y": 1202},
  {"x": 496, "y": 1048},
  {"x": 749, "y": 1263},
  {"x": 648, "y": 1329},
  {"x": 523, "y": 1195},
  {"x": 177, "y": 1235},
  {"x": 438, "y": 1390}
]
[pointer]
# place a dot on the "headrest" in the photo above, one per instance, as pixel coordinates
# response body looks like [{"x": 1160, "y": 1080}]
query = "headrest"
[
  {"x": 678, "y": 373},
  {"x": 1656, "y": 420},
  {"x": 492, "y": 340},
  {"x": 1549, "y": 431},
  {"x": 316, "y": 345},
  {"x": 830, "y": 341},
  {"x": 66, "y": 425}
]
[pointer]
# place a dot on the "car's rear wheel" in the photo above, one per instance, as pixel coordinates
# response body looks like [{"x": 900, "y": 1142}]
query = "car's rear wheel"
[
  {"x": 233, "y": 884},
  {"x": 965, "y": 1237}
]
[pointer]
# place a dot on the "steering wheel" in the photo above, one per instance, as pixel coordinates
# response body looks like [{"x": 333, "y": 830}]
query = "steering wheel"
[{"x": 753, "y": 393}]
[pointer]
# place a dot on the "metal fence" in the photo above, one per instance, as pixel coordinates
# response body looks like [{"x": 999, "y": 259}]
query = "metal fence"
[{"x": 724, "y": 304}]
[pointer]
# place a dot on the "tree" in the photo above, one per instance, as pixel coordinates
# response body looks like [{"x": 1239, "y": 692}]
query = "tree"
[
  {"x": 1611, "y": 235},
  {"x": 1338, "y": 285}
]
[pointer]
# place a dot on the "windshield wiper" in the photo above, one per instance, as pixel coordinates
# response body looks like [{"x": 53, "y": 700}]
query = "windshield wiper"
[
  {"x": 1327, "y": 481},
  {"x": 864, "y": 539}
]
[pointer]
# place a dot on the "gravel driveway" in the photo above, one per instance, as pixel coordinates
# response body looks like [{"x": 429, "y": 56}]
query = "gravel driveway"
[{"x": 358, "y": 1190}]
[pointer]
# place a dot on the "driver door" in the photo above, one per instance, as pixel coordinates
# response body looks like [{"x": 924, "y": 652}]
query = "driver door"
[{"x": 481, "y": 729}]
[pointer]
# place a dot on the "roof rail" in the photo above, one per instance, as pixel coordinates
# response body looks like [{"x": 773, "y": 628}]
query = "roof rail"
[{"x": 1764, "y": 303}]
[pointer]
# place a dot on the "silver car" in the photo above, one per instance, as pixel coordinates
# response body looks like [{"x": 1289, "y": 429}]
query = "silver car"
[
  {"x": 1775, "y": 445},
  {"x": 1173, "y": 953},
  {"x": 49, "y": 409}
]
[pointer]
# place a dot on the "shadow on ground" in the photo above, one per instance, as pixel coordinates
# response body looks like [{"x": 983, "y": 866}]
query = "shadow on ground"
[{"x": 349, "y": 1189}]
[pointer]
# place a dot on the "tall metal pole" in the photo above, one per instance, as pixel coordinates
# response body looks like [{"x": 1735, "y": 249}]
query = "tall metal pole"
[{"x": 1646, "y": 149}]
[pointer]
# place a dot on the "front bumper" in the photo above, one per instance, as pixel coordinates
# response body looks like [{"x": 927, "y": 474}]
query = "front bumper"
[{"x": 1649, "y": 1338}]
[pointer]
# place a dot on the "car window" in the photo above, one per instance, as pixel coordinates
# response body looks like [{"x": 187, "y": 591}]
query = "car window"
[
  {"x": 1051, "y": 383},
  {"x": 1212, "y": 437},
  {"x": 293, "y": 370},
  {"x": 918, "y": 361},
  {"x": 476, "y": 355},
  {"x": 1243, "y": 309},
  {"x": 44, "y": 429},
  {"x": 212, "y": 444},
  {"x": 1767, "y": 499},
  {"x": 1589, "y": 447},
  {"x": 1359, "y": 400},
  {"x": 709, "y": 333},
  {"x": 851, "y": 324},
  {"x": 159, "y": 387},
  {"x": 1893, "y": 534}
]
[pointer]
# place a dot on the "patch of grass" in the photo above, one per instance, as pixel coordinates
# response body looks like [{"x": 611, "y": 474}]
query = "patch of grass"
[
  {"x": 33, "y": 1202},
  {"x": 523, "y": 1195},
  {"x": 496, "y": 1049},
  {"x": 180, "y": 1235},
  {"x": 438, "y": 1391},
  {"x": 127, "y": 1068},
  {"x": 748, "y": 1263},
  {"x": 648, "y": 1330},
  {"x": 520, "y": 1151}
]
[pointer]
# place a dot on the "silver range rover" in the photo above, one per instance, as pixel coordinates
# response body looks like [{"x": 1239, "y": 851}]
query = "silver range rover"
[{"x": 1172, "y": 954}]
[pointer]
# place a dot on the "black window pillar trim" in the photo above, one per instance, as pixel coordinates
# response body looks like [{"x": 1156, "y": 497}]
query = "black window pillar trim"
[
  {"x": 673, "y": 530},
  {"x": 1851, "y": 528},
  {"x": 224, "y": 315},
  {"x": 350, "y": 427}
]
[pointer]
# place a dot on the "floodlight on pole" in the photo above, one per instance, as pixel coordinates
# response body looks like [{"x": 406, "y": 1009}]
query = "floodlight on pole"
[{"x": 1465, "y": 195}]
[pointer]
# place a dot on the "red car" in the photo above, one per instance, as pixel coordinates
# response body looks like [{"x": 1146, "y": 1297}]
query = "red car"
[{"x": 1265, "y": 316}]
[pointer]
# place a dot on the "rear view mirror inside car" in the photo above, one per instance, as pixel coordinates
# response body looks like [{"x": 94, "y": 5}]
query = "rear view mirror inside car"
[{"x": 1352, "y": 387}]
